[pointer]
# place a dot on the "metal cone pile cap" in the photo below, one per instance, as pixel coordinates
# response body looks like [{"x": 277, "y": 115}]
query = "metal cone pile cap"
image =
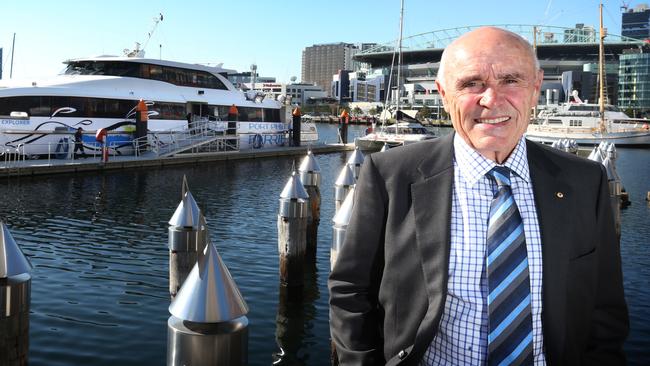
[
  {"x": 612, "y": 175},
  {"x": 294, "y": 189},
  {"x": 345, "y": 178},
  {"x": 12, "y": 260},
  {"x": 309, "y": 170},
  {"x": 187, "y": 213},
  {"x": 356, "y": 158},
  {"x": 309, "y": 164},
  {"x": 209, "y": 294},
  {"x": 342, "y": 217},
  {"x": 384, "y": 148}
]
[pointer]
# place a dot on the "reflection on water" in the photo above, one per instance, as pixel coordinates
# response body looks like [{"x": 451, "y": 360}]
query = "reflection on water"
[{"x": 98, "y": 243}]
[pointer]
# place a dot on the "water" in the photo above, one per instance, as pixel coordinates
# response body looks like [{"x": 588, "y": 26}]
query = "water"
[{"x": 98, "y": 243}]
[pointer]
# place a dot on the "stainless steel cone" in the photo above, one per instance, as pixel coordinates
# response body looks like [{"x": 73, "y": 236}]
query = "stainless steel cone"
[
  {"x": 342, "y": 217},
  {"x": 356, "y": 158},
  {"x": 187, "y": 213},
  {"x": 12, "y": 260},
  {"x": 294, "y": 189},
  {"x": 209, "y": 294}
]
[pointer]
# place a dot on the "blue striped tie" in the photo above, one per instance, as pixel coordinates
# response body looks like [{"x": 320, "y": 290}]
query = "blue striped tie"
[{"x": 510, "y": 326}]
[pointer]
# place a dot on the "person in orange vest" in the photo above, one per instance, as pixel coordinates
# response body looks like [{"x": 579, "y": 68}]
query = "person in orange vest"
[{"x": 343, "y": 126}]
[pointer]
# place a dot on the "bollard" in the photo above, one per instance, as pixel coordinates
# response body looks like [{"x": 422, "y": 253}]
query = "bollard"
[
  {"x": 341, "y": 220},
  {"x": 208, "y": 325},
  {"x": 141, "y": 126},
  {"x": 386, "y": 147},
  {"x": 343, "y": 185},
  {"x": 233, "y": 117},
  {"x": 296, "y": 126},
  {"x": 292, "y": 235},
  {"x": 15, "y": 294},
  {"x": 344, "y": 119},
  {"x": 187, "y": 236},
  {"x": 355, "y": 161},
  {"x": 310, "y": 177}
]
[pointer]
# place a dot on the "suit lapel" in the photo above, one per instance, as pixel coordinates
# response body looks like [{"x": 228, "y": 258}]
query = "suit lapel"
[
  {"x": 431, "y": 202},
  {"x": 551, "y": 191}
]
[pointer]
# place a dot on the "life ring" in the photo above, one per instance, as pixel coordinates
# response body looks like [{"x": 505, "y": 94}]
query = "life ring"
[
  {"x": 100, "y": 136},
  {"x": 257, "y": 141}
]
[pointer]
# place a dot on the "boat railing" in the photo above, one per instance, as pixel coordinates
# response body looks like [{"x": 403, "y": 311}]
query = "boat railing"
[{"x": 203, "y": 132}]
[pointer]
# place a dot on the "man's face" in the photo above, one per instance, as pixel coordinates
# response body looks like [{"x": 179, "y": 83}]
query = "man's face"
[{"x": 490, "y": 86}]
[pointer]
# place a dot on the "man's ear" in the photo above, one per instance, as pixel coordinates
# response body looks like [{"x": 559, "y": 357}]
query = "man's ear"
[{"x": 443, "y": 93}]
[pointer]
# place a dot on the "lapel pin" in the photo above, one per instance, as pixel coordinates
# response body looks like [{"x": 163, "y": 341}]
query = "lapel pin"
[{"x": 559, "y": 194}]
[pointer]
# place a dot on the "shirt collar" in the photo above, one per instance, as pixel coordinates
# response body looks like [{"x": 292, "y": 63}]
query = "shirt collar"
[{"x": 473, "y": 166}]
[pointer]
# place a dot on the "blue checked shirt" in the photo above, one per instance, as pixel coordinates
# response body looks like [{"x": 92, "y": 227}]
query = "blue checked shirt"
[{"x": 462, "y": 335}]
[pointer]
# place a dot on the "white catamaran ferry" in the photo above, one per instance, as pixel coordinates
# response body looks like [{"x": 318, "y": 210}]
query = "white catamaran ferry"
[{"x": 38, "y": 117}]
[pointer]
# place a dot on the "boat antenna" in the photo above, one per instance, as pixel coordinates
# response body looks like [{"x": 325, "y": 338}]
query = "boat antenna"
[
  {"x": 156, "y": 20},
  {"x": 601, "y": 73},
  {"x": 139, "y": 52}
]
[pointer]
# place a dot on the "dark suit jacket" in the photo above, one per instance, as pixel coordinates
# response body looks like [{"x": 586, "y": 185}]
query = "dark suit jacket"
[{"x": 388, "y": 287}]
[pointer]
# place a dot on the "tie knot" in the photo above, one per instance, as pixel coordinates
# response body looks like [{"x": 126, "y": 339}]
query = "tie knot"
[{"x": 501, "y": 175}]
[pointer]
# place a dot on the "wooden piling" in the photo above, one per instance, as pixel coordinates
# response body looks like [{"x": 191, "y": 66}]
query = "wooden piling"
[
  {"x": 312, "y": 223},
  {"x": 292, "y": 243}
]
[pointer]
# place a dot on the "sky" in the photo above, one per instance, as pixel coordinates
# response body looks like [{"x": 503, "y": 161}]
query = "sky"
[{"x": 270, "y": 34}]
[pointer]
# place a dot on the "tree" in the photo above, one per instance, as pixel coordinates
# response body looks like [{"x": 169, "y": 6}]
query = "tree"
[
  {"x": 372, "y": 111},
  {"x": 424, "y": 112},
  {"x": 357, "y": 111}
]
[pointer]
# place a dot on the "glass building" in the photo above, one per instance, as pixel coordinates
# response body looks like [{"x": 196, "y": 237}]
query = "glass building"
[{"x": 634, "y": 82}]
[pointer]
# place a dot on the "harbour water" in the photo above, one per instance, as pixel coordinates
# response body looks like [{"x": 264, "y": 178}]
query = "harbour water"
[{"x": 98, "y": 243}]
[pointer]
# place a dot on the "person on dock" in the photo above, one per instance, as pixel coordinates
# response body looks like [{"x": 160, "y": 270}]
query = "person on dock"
[
  {"x": 482, "y": 247},
  {"x": 78, "y": 143}
]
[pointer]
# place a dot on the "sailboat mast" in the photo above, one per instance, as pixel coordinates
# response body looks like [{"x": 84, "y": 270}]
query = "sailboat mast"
[
  {"x": 399, "y": 54},
  {"x": 601, "y": 72}
]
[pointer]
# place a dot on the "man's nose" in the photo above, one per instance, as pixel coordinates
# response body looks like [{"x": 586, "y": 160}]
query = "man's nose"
[{"x": 489, "y": 98}]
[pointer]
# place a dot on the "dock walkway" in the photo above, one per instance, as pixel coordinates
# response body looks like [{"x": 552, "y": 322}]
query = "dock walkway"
[{"x": 94, "y": 163}]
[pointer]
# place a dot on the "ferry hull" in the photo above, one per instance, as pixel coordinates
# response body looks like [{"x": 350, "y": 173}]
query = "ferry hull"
[{"x": 619, "y": 139}]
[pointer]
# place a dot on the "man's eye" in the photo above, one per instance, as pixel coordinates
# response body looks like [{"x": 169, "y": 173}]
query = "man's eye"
[
  {"x": 511, "y": 81},
  {"x": 471, "y": 85}
]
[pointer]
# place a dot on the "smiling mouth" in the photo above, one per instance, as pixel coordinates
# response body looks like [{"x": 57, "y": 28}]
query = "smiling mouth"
[{"x": 491, "y": 121}]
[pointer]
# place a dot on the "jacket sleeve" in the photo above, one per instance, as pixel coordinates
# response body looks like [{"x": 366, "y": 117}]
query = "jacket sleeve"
[
  {"x": 610, "y": 325},
  {"x": 356, "y": 318}
]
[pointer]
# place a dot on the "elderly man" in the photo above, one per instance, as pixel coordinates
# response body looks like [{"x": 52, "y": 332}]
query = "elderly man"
[{"x": 480, "y": 247}]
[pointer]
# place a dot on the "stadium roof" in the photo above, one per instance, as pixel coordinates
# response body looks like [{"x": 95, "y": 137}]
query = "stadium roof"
[{"x": 556, "y": 43}]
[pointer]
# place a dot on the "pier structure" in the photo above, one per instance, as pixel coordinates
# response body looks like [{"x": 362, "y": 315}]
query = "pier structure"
[
  {"x": 15, "y": 296},
  {"x": 208, "y": 323},
  {"x": 292, "y": 231},
  {"x": 187, "y": 237},
  {"x": 310, "y": 176},
  {"x": 343, "y": 184}
]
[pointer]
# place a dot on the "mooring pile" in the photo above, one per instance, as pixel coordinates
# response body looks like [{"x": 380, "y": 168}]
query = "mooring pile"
[
  {"x": 208, "y": 323},
  {"x": 15, "y": 295}
]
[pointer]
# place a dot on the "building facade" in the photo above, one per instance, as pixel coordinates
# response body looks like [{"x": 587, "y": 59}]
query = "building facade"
[
  {"x": 636, "y": 22},
  {"x": 321, "y": 61},
  {"x": 634, "y": 82}
]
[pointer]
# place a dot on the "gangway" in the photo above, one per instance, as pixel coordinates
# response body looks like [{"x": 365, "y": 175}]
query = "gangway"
[{"x": 206, "y": 136}]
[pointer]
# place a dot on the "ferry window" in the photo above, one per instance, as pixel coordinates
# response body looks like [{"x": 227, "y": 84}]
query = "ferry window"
[
  {"x": 271, "y": 115},
  {"x": 173, "y": 111},
  {"x": 250, "y": 114},
  {"x": 156, "y": 72}
]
